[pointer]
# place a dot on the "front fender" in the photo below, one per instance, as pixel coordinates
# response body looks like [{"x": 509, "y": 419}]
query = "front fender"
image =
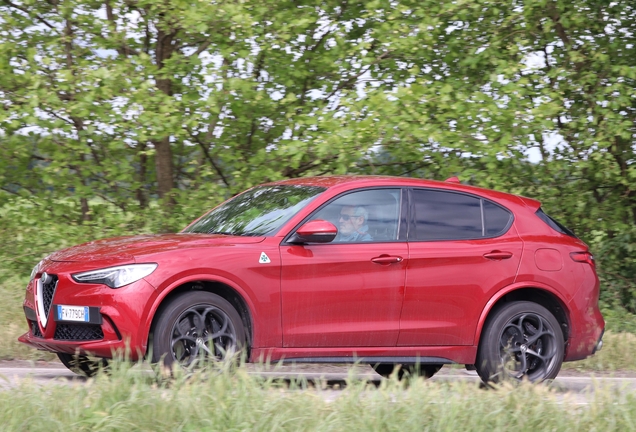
[{"x": 190, "y": 278}]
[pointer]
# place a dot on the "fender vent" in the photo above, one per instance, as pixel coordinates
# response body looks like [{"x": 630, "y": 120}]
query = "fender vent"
[{"x": 35, "y": 329}]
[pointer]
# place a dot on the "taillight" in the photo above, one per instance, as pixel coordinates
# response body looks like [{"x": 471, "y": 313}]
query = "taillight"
[{"x": 583, "y": 257}]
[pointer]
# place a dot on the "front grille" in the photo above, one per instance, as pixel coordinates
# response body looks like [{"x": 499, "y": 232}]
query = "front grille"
[
  {"x": 77, "y": 332},
  {"x": 48, "y": 290},
  {"x": 35, "y": 329}
]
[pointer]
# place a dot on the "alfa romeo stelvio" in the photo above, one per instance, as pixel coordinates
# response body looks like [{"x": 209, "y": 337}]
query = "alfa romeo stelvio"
[{"x": 386, "y": 271}]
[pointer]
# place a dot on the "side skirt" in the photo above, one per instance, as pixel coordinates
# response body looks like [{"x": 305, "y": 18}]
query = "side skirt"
[
  {"x": 370, "y": 360},
  {"x": 465, "y": 354}
]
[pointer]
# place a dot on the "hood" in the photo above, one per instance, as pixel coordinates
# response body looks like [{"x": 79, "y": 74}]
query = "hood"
[{"x": 127, "y": 248}]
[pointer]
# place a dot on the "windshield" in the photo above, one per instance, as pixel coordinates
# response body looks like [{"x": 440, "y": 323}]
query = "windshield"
[{"x": 257, "y": 212}]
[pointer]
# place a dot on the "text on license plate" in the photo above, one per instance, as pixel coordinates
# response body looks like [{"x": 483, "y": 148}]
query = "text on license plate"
[{"x": 73, "y": 313}]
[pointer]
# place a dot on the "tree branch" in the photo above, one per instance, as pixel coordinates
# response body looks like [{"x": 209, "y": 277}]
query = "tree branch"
[
  {"x": 201, "y": 48},
  {"x": 26, "y": 11},
  {"x": 123, "y": 49},
  {"x": 349, "y": 81},
  {"x": 206, "y": 152}
]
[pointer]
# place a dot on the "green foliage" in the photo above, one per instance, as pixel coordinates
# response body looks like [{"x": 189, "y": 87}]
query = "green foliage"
[
  {"x": 617, "y": 318},
  {"x": 160, "y": 109}
]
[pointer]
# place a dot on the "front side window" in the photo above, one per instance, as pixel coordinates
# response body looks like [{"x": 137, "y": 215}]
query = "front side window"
[
  {"x": 364, "y": 216},
  {"x": 257, "y": 212},
  {"x": 443, "y": 215}
]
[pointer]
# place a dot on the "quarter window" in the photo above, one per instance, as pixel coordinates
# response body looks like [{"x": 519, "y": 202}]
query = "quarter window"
[
  {"x": 442, "y": 215},
  {"x": 496, "y": 219},
  {"x": 554, "y": 224}
]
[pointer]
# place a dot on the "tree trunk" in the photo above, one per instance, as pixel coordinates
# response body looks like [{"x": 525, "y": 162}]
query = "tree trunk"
[
  {"x": 163, "y": 151},
  {"x": 142, "y": 195},
  {"x": 163, "y": 165},
  {"x": 86, "y": 216}
]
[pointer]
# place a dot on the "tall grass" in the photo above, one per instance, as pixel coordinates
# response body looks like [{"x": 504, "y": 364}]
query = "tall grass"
[{"x": 235, "y": 401}]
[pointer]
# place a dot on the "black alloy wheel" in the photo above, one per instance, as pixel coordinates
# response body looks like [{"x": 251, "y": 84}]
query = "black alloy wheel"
[
  {"x": 194, "y": 327},
  {"x": 423, "y": 370},
  {"x": 522, "y": 340},
  {"x": 83, "y": 365}
]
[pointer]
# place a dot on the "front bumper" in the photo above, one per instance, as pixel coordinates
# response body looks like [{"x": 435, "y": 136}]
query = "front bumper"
[{"x": 119, "y": 324}]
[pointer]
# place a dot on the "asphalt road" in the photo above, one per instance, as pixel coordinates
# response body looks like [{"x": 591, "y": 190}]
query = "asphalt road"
[{"x": 577, "y": 387}]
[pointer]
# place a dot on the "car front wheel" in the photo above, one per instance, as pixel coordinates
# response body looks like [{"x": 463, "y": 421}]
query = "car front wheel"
[
  {"x": 83, "y": 365},
  {"x": 197, "y": 326},
  {"x": 521, "y": 340}
]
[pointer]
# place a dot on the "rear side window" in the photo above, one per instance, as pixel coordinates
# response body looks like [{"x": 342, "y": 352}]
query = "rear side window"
[
  {"x": 443, "y": 215},
  {"x": 554, "y": 224}
]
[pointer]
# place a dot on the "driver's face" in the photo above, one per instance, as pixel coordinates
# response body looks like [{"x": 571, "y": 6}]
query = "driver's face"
[{"x": 348, "y": 222}]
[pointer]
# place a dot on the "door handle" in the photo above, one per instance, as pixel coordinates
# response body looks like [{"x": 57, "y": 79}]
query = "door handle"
[
  {"x": 498, "y": 255},
  {"x": 386, "y": 259}
]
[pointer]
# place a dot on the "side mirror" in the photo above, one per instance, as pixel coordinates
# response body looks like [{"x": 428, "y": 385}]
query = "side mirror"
[{"x": 315, "y": 231}]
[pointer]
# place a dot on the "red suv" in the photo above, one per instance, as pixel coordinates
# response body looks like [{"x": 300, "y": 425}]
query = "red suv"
[{"x": 380, "y": 270}]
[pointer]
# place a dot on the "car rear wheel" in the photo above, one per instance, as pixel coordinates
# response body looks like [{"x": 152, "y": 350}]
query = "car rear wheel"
[
  {"x": 521, "y": 340},
  {"x": 197, "y": 326},
  {"x": 423, "y": 370},
  {"x": 81, "y": 364}
]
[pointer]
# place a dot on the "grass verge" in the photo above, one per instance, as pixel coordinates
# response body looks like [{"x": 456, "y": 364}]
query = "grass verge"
[
  {"x": 618, "y": 353},
  {"x": 222, "y": 400}
]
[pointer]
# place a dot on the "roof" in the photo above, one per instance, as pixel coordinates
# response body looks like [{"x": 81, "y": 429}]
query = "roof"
[{"x": 349, "y": 181}]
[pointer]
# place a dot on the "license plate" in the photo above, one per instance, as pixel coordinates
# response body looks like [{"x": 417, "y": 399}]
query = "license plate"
[{"x": 73, "y": 313}]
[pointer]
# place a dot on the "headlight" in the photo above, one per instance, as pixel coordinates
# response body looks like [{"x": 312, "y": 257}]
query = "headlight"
[
  {"x": 35, "y": 270},
  {"x": 116, "y": 277}
]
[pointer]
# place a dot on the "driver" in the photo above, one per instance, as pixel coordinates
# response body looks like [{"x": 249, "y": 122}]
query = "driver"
[{"x": 353, "y": 225}]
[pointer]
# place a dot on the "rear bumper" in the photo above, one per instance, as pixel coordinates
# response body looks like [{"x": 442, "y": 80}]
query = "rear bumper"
[
  {"x": 599, "y": 343},
  {"x": 586, "y": 322},
  {"x": 586, "y": 337}
]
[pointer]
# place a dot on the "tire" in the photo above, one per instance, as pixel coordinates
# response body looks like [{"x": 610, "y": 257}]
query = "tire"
[
  {"x": 521, "y": 340},
  {"x": 196, "y": 326},
  {"x": 83, "y": 365},
  {"x": 424, "y": 370}
]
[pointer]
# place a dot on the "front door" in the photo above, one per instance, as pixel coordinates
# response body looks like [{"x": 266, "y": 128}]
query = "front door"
[{"x": 348, "y": 292}]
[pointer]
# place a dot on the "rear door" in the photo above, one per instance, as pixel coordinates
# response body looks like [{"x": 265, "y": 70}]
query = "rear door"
[{"x": 462, "y": 249}]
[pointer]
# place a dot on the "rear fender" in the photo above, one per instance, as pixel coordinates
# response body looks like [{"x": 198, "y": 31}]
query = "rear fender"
[{"x": 510, "y": 289}]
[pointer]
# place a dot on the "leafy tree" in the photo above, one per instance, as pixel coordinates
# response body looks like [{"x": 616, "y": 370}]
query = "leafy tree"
[{"x": 191, "y": 102}]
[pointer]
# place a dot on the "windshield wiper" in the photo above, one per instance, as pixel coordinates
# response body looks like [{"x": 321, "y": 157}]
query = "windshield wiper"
[{"x": 224, "y": 233}]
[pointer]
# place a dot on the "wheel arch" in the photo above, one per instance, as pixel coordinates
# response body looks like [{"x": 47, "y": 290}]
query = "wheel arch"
[
  {"x": 221, "y": 288},
  {"x": 543, "y": 296}
]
